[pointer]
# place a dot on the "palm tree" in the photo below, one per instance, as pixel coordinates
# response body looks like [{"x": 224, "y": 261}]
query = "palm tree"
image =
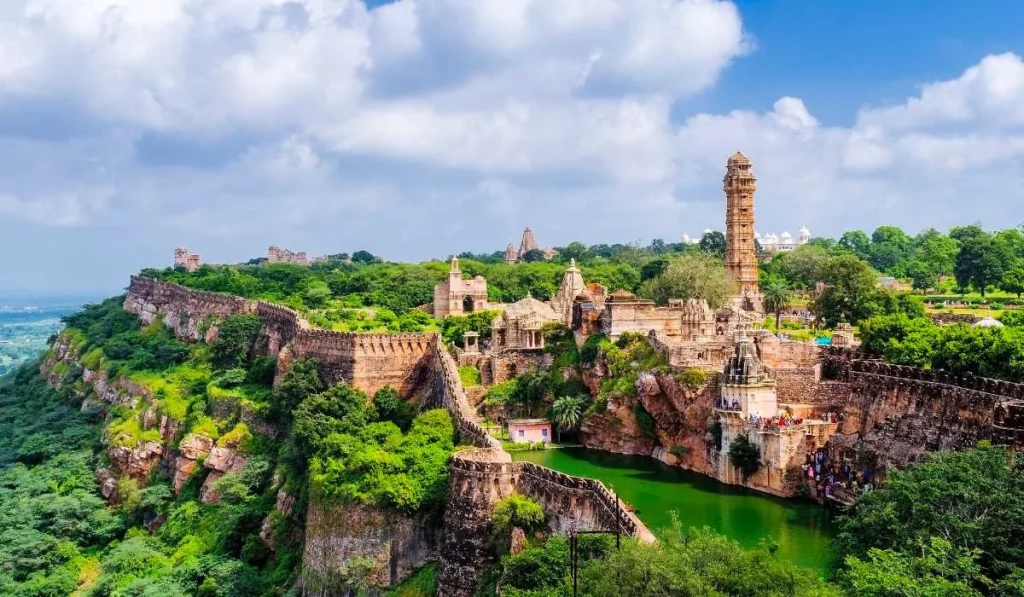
[
  {"x": 567, "y": 413},
  {"x": 776, "y": 297}
]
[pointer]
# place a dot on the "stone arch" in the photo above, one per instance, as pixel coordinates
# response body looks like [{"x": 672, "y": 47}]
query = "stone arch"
[{"x": 467, "y": 304}]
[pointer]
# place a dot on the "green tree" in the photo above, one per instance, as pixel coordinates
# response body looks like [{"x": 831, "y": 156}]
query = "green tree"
[
  {"x": 690, "y": 276},
  {"x": 890, "y": 247},
  {"x": 932, "y": 569},
  {"x": 745, "y": 456},
  {"x": 567, "y": 413},
  {"x": 235, "y": 338},
  {"x": 979, "y": 264},
  {"x": 574, "y": 250},
  {"x": 856, "y": 242},
  {"x": 1013, "y": 279},
  {"x": 936, "y": 251},
  {"x": 849, "y": 289},
  {"x": 300, "y": 381},
  {"x": 515, "y": 511},
  {"x": 803, "y": 267},
  {"x": 713, "y": 243},
  {"x": 972, "y": 499},
  {"x": 922, "y": 274},
  {"x": 340, "y": 409},
  {"x": 533, "y": 256},
  {"x": 776, "y": 297}
]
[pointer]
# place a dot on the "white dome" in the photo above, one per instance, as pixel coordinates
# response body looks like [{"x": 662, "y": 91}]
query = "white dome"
[
  {"x": 787, "y": 237},
  {"x": 757, "y": 235},
  {"x": 708, "y": 231},
  {"x": 770, "y": 239},
  {"x": 989, "y": 322},
  {"x": 805, "y": 232}
]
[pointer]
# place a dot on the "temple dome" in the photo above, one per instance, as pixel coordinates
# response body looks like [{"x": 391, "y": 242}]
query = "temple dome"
[{"x": 989, "y": 322}]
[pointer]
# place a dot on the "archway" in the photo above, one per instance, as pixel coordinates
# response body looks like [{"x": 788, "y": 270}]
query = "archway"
[{"x": 467, "y": 304}]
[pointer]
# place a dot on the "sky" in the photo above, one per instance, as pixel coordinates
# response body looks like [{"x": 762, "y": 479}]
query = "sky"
[{"x": 420, "y": 128}]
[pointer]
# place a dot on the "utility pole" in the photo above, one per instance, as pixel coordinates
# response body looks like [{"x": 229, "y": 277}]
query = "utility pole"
[{"x": 574, "y": 556}]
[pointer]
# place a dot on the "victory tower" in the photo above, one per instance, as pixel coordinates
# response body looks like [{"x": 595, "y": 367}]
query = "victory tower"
[{"x": 739, "y": 185}]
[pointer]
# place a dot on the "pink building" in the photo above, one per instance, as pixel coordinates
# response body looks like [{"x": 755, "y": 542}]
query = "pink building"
[{"x": 529, "y": 430}]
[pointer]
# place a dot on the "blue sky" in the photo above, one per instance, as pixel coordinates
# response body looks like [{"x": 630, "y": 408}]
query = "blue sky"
[{"x": 426, "y": 127}]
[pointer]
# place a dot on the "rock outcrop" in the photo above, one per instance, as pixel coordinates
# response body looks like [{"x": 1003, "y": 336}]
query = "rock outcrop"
[
  {"x": 192, "y": 448},
  {"x": 220, "y": 461}
]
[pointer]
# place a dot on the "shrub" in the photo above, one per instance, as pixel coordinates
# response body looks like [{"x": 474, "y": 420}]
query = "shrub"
[
  {"x": 235, "y": 338},
  {"x": 745, "y": 456}
]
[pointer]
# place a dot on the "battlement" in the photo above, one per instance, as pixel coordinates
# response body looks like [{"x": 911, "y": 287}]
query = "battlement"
[{"x": 995, "y": 387}]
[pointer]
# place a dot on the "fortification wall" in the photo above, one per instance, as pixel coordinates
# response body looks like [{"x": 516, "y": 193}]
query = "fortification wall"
[
  {"x": 396, "y": 545},
  {"x": 480, "y": 478},
  {"x": 899, "y": 413},
  {"x": 367, "y": 361},
  {"x": 449, "y": 393}
]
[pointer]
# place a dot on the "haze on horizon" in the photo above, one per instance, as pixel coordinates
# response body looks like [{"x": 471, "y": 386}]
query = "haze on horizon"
[{"x": 420, "y": 128}]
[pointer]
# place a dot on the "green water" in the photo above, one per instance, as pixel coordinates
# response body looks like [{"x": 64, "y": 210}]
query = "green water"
[{"x": 802, "y": 530}]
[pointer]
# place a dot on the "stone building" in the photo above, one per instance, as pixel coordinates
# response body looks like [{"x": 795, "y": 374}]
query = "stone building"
[
  {"x": 773, "y": 243},
  {"x": 587, "y": 310},
  {"x": 182, "y": 258},
  {"x": 519, "y": 326},
  {"x": 276, "y": 254},
  {"x": 739, "y": 185},
  {"x": 571, "y": 287},
  {"x": 456, "y": 296},
  {"x": 784, "y": 434}
]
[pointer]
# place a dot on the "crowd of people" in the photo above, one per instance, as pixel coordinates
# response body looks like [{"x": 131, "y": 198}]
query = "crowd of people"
[
  {"x": 786, "y": 419},
  {"x": 842, "y": 478}
]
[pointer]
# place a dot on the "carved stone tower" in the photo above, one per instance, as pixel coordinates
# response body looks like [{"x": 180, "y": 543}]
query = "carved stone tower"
[{"x": 739, "y": 185}]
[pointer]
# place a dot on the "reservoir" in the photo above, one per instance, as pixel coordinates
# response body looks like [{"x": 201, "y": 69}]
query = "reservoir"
[{"x": 802, "y": 530}]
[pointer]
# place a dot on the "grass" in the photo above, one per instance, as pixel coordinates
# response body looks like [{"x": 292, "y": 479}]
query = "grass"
[
  {"x": 470, "y": 376},
  {"x": 421, "y": 584},
  {"x": 129, "y": 433}
]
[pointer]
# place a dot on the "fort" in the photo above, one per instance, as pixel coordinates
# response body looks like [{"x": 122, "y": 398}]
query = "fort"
[{"x": 416, "y": 365}]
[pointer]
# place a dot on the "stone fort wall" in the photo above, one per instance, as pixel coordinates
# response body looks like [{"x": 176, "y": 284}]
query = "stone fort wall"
[
  {"x": 900, "y": 412},
  {"x": 480, "y": 478},
  {"x": 367, "y": 361}
]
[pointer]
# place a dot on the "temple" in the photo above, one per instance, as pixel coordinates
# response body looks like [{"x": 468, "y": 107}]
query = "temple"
[
  {"x": 772, "y": 243},
  {"x": 456, "y": 296},
  {"x": 527, "y": 244}
]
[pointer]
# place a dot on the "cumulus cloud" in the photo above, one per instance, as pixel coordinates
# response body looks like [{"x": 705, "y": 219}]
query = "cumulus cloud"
[{"x": 426, "y": 127}]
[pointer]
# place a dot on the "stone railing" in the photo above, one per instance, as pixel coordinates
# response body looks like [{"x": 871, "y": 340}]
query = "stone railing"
[
  {"x": 449, "y": 393},
  {"x": 585, "y": 503},
  {"x": 995, "y": 387}
]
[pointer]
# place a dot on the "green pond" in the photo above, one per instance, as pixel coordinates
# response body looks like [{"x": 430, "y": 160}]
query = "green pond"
[{"x": 803, "y": 530}]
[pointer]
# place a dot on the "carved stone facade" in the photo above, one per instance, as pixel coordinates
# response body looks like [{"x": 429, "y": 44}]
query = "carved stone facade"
[
  {"x": 529, "y": 243},
  {"x": 519, "y": 325},
  {"x": 739, "y": 185},
  {"x": 182, "y": 258},
  {"x": 456, "y": 296},
  {"x": 571, "y": 287}
]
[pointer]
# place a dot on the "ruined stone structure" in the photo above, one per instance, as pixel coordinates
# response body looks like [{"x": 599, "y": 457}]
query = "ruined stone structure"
[
  {"x": 587, "y": 310},
  {"x": 519, "y": 325},
  {"x": 182, "y": 258},
  {"x": 481, "y": 478},
  {"x": 456, "y": 296},
  {"x": 367, "y": 361},
  {"x": 739, "y": 185},
  {"x": 276, "y": 254}
]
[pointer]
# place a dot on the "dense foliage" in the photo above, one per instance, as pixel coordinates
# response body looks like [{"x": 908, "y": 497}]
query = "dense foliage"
[
  {"x": 954, "y": 519},
  {"x": 986, "y": 351},
  {"x": 691, "y": 563}
]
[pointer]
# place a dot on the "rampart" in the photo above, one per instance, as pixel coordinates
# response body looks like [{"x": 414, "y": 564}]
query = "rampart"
[
  {"x": 480, "y": 478},
  {"x": 449, "y": 393},
  {"x": 900, "y": 412},
  {"x": 367, "y": 361}
]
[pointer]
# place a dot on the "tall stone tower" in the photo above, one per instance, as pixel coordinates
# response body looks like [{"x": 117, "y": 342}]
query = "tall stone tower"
[{"x": 739, "y": 185}]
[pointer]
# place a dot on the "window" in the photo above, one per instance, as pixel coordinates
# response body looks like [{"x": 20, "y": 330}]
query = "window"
[
  {"x": 543, "y": 432},
  {"x": 522, "y": 433}
]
